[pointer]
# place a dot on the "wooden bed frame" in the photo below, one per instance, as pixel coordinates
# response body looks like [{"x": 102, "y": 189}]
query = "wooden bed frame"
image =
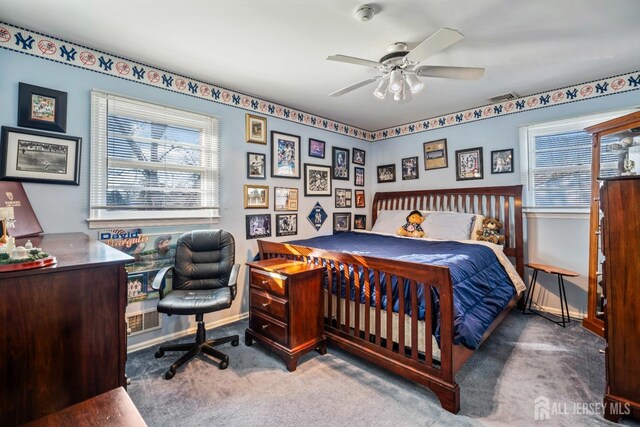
[{"x": 364, "y": 337}]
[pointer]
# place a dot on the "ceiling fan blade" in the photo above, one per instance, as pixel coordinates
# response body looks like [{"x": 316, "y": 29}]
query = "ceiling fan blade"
[
  {"x": 353, "y": 60},
  {"x": 440, "y": 40},
  {"x": 462, "y": 73},
  {"x": 354, "y": 86}
]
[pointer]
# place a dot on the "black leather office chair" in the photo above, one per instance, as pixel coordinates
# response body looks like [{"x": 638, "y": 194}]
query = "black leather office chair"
[{"x": 204, "y": 281}]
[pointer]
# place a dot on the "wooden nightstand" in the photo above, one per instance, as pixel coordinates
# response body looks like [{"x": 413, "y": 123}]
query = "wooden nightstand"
[{"x": 285, "y": 308}]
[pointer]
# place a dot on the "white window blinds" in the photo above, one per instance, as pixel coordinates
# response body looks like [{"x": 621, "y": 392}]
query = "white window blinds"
[
  {"x": 557, "y": 162},
  {"x": 151, "y": 161}
]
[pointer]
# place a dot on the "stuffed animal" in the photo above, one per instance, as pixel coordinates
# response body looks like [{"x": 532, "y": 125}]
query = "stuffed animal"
[
  {"x": 412, "y": 228},
  {"x": 490, "y": 231}
]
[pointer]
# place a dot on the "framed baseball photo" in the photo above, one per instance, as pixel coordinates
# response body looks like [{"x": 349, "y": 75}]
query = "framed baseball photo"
[
  {"x": 316, "y": 148},
  {"x": 386, "y": 173},
  {"x": 341, "y": 222},
  {"x": 258, "y": 226},
  {"x": 285, "y": 155},
  {"x": 343, "y": 198},
  {"x": 360, "y": 203},
  {"x": 469, "y": 164},
  {"x": 256, "y": 166},
  {"x": 256, "y": 196},
  {"x": 42, "y": 108},
  {"x": 286, "y": 225},
  {"x": 359, "y": 222},
  {"x": 358, "y": 179},
  {"x": 317, "y": 180},
  {"x": 435, "y": 154},
  {"x": 358, "y": 156},
  {"x": 410, "y": 168},
  {"x": 340, "y": 163},
  {"x": 256, "y": 129},
  {"x": 285, "y": 199},
  {"x": 502, "y": 161}
]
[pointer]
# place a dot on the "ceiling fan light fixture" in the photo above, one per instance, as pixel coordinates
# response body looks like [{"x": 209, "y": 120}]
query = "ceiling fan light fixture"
[
  {"x": 414, "y": 83},
  {"x": 396, "y": 81},
  {"x": 399, "y": 95},
  {"x": 381, "y": 90}
]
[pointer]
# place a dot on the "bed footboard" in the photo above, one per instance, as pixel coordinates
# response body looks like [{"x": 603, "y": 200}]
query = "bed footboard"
[{"x": 382, "y": 337}]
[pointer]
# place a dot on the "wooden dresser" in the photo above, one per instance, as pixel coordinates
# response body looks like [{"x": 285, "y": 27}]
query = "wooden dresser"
[
  {"x": 285, "y": 308},
  {"x": 62, "y": 334},
  {"x": 620, "y": 232}
]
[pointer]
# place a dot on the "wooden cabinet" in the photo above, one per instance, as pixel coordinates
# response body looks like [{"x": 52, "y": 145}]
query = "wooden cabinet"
[
  {"x": 610, "y": 139},
  {"x": 620, "y": 232},
  {"x": 285, "y": 308},
  {"x": 63, "y": 335}
]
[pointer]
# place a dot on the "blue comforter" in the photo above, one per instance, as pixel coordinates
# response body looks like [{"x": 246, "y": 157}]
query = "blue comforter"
[{"x": 481, "y": 286}]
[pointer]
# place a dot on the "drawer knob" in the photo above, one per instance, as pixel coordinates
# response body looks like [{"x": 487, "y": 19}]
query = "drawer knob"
[
  {"x": 264, "y": 304},
  {"x": 265, "y": 282},
  {"x": 265, "y": 326}
]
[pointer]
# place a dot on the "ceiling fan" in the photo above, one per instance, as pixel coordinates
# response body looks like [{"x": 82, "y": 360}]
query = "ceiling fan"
[{"x": 399, "y": 71}]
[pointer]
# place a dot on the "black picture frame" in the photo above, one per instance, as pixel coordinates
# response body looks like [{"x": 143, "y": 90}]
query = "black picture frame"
[
  {"x": 435, "y": 154},
  {"x": 360, "y": 199},
  {"x": 32, "y": 156},
  {"x": 317, "y": 180},
  {"x": 358, "y": 177},
  {"x": 343, "y": 197},
  {"x": 358, "y": 156},
  {"x": 359, "y": 222},
  {"x": 409, "y": 167},
  {"x": 256, "y": 166},
  {"x": 258, "y": 226},
  {"x": 341, "y": 222},
  {"x": 386, "y": 173},
  {"x": 316, "y": 148},
  {"x": 42, "y": 108},
  {"x": 286, "y": 225},
  {"x": 502, "y": 161},
  {"x": 340, "y": 163},
  {"x": 469, "y": 164},
  {"x": 285, "y": 155}
]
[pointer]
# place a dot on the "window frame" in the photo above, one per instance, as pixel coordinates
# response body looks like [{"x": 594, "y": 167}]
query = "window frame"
[
  {"x": 527, "y": 134},
  {"x": 100, "y": 217}
]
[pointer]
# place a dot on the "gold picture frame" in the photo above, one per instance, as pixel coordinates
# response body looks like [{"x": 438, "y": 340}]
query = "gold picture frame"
[
  {"x": 435, "y": 154},
  {"x": 256, "y": 196},
  {"x": 256, "y": 129}
]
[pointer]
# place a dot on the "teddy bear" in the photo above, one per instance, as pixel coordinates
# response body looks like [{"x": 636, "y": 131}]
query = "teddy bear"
[
  {"x": 490, "y": 231},
  {"x": 412, "y": 228}
]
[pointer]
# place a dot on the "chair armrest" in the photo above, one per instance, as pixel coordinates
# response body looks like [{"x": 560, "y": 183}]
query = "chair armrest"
[
  {"x": 233, "y": 279},
  {"x": 159, "y": 282}
]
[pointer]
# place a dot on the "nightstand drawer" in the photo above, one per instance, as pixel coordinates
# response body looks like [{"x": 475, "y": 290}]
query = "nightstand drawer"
[
  {"x": 264, "y": 301},
  {"x": 269, "y": 327},
  {"x": 271, "y": 282}
]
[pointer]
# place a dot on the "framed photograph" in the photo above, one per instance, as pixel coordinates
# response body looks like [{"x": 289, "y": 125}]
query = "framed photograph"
[
  {"x": 285, "y": 155},
  {"x": 469, "y": 164},
  {"x": 341, "y": 222},
  {"x": 256, "y": 166},
  {"x": 387, "y": 173},
  {"x": 136, "y": 287},
  {"x": 358, "y": 180},
  {"x": 256, "y": 196},
  {"x": 343, "y": 198},
  {"x": 316, "y": 148},
  {"x": 359, "y": 198},
  {"x": 258, "y": 226},
  {"x": 435, "y": 154},
  {"x": 502, "y": 161},
  {"x": 285, "y": 199},
  {"x": 42, "y": 108},
  {"x": 317, "y": 180},
  {"x": 340, "y": 163},
  {"x": 359, "y": 222},
  {"x": 410, "y": 168},
  {"x": 32, "y": 156},
  {"x": 358, "y": 156},
  {"x": 256, "y": 129},
  {"x": 286, "y": 224}
]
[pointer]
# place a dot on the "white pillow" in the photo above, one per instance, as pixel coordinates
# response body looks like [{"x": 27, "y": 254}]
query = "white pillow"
[
  {"x": 448, "y": 225},
  {"x": 388, "y": 221}
]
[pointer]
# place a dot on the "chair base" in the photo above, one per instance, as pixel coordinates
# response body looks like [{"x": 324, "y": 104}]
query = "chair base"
[{"x": 200, "y": 346}]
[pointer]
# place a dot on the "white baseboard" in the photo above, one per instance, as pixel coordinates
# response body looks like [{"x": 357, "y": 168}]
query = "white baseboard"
[
  {"x": 556, "y": 311},
  {"x": 156, "y": 341}
]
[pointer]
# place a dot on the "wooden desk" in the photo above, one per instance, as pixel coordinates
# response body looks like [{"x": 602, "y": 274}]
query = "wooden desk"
[
  {"x": 62, "y": 334},
  {"x": 113, "y": 408}
]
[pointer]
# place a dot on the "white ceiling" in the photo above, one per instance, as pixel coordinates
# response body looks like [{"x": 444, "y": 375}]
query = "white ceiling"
[{"x": 277, "y": 49}]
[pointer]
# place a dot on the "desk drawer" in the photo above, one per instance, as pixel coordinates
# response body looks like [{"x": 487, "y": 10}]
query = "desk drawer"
[
  {"x": 269, "y": 327},
  {"x": 264, "y": 301},
  {"x": 271, "y": 282}
]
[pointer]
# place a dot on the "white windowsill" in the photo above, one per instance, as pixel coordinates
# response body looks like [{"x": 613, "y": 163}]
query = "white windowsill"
[{"x": 537, "y": 213}]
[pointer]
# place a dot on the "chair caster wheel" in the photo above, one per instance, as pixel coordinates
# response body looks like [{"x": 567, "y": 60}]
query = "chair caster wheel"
[
  {"x": 235, "y": 343},
  {"x": 169, "y": 374},
  {"x": 159, "y": 354},
  {"x": 224, "y": 364}
]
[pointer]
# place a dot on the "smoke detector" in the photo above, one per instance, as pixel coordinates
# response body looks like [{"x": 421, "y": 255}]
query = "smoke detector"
[{"x": 364, "y": 13}]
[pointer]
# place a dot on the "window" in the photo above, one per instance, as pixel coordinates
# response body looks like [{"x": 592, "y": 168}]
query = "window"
[
  {"x": 151, "y": 164},
  {"x": 556, "y": 162}
]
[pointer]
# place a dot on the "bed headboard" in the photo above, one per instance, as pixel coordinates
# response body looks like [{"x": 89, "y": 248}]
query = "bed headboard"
[{"x": 503, "y": 203}]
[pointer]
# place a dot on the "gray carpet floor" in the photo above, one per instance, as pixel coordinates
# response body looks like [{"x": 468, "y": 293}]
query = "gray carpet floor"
[{"x": 525, "y": 358}]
